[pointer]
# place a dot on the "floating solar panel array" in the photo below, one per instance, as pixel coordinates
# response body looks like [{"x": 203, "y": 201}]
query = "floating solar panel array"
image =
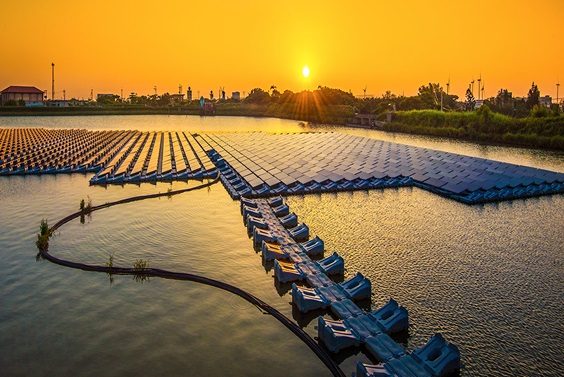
[
  {"x": 260, "y": 164},
  {"x": 152, "y": 156},
  {"x": 43, "y": 151}
]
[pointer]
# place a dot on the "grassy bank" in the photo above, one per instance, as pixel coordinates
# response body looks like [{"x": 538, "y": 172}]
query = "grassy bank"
[
  {"x": 336, "y": 114},
  {"x": 482, "y": 125}
]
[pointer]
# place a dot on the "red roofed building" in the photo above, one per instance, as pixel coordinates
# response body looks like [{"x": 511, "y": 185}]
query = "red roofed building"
[{"x": 29, "y": 94}]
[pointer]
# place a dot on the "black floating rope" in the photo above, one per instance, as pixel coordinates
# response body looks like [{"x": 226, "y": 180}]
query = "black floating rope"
[{"x": 150, "y": 272}]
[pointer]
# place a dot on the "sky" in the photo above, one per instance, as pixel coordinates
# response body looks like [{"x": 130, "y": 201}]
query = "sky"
[{"x": 109, "y": 46}]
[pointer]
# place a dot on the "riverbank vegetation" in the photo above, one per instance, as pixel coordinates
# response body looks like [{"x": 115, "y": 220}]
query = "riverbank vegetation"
[
  {"x": 501, "y": 119},
  {"x": 482, "y": 125}
]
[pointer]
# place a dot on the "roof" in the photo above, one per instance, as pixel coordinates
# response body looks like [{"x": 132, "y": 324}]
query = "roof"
[{"x": 22, "y": 89}]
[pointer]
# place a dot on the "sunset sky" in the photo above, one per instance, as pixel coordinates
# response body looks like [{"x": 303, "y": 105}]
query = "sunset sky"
[{"x": 107, "y": 46}]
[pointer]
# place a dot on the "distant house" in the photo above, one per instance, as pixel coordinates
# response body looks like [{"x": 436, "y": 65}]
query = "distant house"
[
  {"x": 107, "y": 98},
  {"x": 545, "y": 101},
  {"x": 58, "y": 103},
  {"x": 236, "y": 95},
  {"x": 28, "y": 94},
  {"x": 176, "y": 99}
]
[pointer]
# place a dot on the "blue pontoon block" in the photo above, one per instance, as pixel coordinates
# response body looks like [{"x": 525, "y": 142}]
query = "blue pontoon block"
[
  {"x": 273, "y": 251},
  {"x": 289, "y": 221},
  {"x": 251, "y": 211},
  {"x": 360, "y": 326},
  {"x": 307, "y": 299},
  {"x": 287, "y": 271},
  {"x": 277, "y": 201},
  {"x": 383, "y": 347},
  {"x": 336, "y": 335},
  {"x": 249, "y": 203},
  {"x": 321, "y": 296},
  {"x": 252, "y": 222},
  {"x": 357, "y": 288},
  {"x": 391, "y": 317},
  {"x": 346, "y": 309},
  {"x": 281, "y": 210},
  {"x": 441, "y": 357},
  {"x": 260, "y": 235},
  {"x": 333, "y": 264},
  {"x": 299, "y": 233},
  {"x": 314, "y": 246}
]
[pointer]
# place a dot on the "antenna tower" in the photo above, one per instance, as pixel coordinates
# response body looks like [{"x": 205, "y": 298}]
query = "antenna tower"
[{"x": 52, "y": 81}]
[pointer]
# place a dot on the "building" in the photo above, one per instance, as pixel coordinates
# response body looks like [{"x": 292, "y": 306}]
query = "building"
[
  {"x": 545, "y": 101},
  {"x": 236, "y": 95},
  {"x": 176, "y": 99},
  {"x": 28, "y": 94},
  {"x": 58, "y": 103}
]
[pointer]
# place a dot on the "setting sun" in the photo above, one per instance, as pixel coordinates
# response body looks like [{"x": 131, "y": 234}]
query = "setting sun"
[{"x": 305, "y": 71}]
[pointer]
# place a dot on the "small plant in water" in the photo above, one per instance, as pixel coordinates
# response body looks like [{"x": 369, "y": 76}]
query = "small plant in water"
[
  {"x": 88, "y": 207},
  {"x": 140, "y": 265},
  {"x": 42, "y": 242},
  {"x": 110, "y": 262}
]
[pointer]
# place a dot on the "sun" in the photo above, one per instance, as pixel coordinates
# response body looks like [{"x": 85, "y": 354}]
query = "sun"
[{"x": 305, "y": 71}]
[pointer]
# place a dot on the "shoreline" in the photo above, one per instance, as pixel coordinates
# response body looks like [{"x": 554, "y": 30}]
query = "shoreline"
[{"x": 242, "y": 111}]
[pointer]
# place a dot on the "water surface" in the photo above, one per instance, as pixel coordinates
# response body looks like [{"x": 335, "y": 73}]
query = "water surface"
[{"x": 489, "y": 277}]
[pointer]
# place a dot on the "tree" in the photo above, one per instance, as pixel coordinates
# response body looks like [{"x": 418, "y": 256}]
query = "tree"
[
  {"x": 274, "y": 92},
  {"x": 533, "y": 98},
  {"x": 258, "y": 96},
  {"x": 470, "y": 102},
  {"x": 430, "y": 96}
]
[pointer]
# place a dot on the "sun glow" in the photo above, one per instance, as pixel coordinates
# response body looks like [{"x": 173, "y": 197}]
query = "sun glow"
[{"x": 305, "y": 71}]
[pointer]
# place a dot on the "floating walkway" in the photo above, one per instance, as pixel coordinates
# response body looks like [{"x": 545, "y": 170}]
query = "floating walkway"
[
  {"x": 257, "y": 164},
  {"x": 276, "y": 231}
]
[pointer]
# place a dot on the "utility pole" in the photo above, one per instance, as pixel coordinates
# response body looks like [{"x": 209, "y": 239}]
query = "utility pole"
[
  {"x": 557, "y": 87},
  {"x": 64, "y": 95},
  {"x": 479, "y": 81},
  {"x": 52, "y": 81}
]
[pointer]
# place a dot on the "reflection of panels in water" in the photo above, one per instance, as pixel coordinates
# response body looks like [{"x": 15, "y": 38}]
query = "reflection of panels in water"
[
  {"x": 166, "y": 163},
  {"x": 154, "y": 158},
  {"x": 180, "y": 163},
  {"x": 128, "y": 155},
  {"x": 137, "y": 168}
]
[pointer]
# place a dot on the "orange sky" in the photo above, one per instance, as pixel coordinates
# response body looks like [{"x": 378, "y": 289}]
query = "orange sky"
[{"x": 394, "y": 45}]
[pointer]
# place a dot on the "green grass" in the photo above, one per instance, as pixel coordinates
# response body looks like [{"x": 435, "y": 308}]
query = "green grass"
[{"x": 482, "y": 125}]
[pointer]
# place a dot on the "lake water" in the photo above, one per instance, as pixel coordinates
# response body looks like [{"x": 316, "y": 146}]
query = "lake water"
[{"x": 489, "y": 277}]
